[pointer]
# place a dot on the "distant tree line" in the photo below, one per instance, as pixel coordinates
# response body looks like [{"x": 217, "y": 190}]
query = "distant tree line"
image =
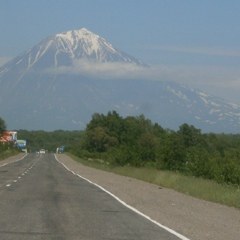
[
  {"x": 138, "y": 142},
  {"x": 50, "y": 140}
]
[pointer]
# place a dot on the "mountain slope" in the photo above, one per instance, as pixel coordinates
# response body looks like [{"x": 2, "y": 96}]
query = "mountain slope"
[
  {"x": 62, "y": 49},
  {"x": 32, "y": 97}
]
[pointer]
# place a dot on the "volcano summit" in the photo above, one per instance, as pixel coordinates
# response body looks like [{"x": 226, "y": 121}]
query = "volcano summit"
[{"x": 63, "y": 80}]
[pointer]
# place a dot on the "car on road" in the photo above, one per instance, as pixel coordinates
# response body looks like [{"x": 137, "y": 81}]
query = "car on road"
[{"x": 42, "y": 151}]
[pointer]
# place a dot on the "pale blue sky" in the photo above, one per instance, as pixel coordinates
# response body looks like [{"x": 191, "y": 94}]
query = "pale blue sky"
[{"x": 189, "y": 41}]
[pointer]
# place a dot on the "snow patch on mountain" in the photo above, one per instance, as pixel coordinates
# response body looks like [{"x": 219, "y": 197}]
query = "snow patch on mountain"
[
  {"x": 61, "y": 75},
  {"x": 92, "y": 43},
  {"x": 178, "y": 93}
]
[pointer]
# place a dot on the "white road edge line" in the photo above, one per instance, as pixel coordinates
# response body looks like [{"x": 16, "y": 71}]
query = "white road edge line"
[
  {"x": 126, "y": 205},
  {"x": 14, "y": 160}
]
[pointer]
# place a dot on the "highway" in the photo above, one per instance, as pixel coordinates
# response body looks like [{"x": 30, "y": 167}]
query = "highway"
[{"x": 41, "y": 199}]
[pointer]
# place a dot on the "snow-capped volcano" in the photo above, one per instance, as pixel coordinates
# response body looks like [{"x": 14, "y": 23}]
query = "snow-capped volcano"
[
  {"x": 85, "y": 44},
  {"x": 63, "y": 48},
  {"x": 32, "y": 96}
]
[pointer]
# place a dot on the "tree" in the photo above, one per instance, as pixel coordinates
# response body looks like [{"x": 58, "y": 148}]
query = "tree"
[
  {"x": 171, "y": 154},
  {"x": 147, "y": 143},
  {"x": 3, "y": 126},
  {"x": 98, "y": 140},
  {"x": 191, "y": 136},
  {"x": 197, "y": 162}
]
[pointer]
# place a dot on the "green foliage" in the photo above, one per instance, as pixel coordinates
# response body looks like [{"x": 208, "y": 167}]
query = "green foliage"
[
  {"x": 2, "y": 126},
  {"x": 6, "y": 149},
  {"x": 52, "y": 140},
  {"x": 98, "y": 140},
  {"x": 130, "y": 140},
  {"x": 136, "y": 141},
  {"x": 190, "y": 135},
  {"x": 198, "y": 163},
  {"x": 171, "y": 152},
  {"x": 127, "y": 155}
]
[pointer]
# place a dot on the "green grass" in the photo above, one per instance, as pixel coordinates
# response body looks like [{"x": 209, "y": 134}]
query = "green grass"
[
  {"x": 192, "y": 186},
  {"x": 7, "y": 153}
]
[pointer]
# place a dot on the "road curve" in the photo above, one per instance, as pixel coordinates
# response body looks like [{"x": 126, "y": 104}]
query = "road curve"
[{"x": 40, "y": 199}]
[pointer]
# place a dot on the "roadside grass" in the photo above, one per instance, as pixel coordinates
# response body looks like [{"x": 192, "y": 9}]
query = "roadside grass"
[
  {"x": 196, "y": 187},
  {"x": 7, "y": 153}
]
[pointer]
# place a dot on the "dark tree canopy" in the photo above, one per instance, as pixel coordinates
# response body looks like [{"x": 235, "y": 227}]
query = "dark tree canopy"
[
  {"x": 136, "y": 141},
  {"x": 3, "y": 126}
]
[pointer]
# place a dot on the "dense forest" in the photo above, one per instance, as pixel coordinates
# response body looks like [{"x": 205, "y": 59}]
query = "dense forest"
[
  {"x": 50, "y": 141},
  {"x": 138, "y": 142}
]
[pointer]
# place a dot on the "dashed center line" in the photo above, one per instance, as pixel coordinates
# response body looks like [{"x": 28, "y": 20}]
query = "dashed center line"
[
  {"x": 19, "y": 177},
  {"x": 8, "y": 185}
]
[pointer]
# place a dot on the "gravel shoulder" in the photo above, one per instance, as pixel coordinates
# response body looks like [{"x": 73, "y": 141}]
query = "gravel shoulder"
[{"x": 194, "y": 218}]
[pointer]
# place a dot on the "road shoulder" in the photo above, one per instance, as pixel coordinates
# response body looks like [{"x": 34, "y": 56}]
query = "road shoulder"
[
  {"x": 194, "y": 218},
  {"x": 12, "y": 158}
]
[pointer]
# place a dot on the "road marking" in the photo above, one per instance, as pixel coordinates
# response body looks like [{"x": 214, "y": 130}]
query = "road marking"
[
  {"x": 15, "y": 181},
  {"x": 14, "y": 160},
  {"x": 8, "y": 185},
  {"x": 126, "y": 205}
]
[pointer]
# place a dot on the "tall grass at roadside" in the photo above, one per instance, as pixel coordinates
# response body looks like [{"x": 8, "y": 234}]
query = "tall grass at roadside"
[
  {"x": 7, "y": 153},
  {"x": 192, "y": 186}
]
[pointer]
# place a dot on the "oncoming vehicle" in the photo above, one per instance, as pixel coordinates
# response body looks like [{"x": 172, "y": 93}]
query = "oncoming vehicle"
[
  {"x": 36, "y": 151},
  {"x": 42, "y": 151}
]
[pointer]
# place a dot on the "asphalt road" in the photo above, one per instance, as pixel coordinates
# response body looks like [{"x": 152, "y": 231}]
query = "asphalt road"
[{"x": 41, "y": 199}]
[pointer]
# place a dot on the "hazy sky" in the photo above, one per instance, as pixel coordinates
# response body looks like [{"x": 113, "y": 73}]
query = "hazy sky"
[{"x": 189, "y": 41}]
